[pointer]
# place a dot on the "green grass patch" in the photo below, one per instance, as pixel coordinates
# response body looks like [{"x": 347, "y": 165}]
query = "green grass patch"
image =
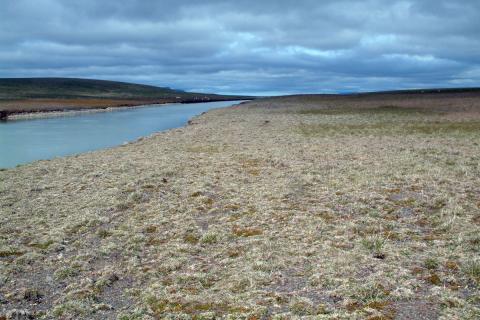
[
  {"x": 391, "y": 128},
  {"x": 384, "y": 110},
  {"x": 374, "y": 244},
  {"x": 209, "y": 238},
  {"x": 472, "y": 270},
  {"x": 66, "y": 272}
]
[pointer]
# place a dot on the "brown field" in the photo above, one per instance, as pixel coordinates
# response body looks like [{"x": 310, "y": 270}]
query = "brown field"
[
  {"x": 450, "y": 102},
  {"x": 306, "y": 207}
]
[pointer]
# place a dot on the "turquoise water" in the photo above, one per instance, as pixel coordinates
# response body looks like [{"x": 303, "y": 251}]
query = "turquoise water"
[{"x": 23, "y": 141}]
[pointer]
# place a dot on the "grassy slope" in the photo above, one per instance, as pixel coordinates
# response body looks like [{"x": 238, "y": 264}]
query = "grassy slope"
[
  {"x": 289, "y": 207},
  {"x": 69, "y": 88},
  {"x": 53, "y": 88},
  {"x": 46, "y": 94}
]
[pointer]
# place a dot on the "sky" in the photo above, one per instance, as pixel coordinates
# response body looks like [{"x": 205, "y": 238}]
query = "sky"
[{"x": 261, "y": 47}]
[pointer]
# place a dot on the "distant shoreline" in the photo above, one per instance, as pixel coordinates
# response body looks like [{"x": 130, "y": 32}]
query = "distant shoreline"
[
  {"x": 32, "y": 95},
  {"x": 73, "y": 112},
  {"x": 48, "y": 111}
]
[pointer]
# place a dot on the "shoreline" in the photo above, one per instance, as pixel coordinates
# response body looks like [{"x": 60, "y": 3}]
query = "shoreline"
[
  {"x": 44, "y": 109},
  {"x": 43, "y": 115},
  {"x": 72, "y": 113},
  {"x": 76, "y": 112}
]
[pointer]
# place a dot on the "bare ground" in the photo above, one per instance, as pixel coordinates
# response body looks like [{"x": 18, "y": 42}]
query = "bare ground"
[{"x": 287, "y": 208}]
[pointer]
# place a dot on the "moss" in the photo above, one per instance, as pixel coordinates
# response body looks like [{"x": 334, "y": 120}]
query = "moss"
[
  {"x": 10, "y": 252},
  {"x": 191, "y": 237},
  {"x": 66, "y": 272},
  {"x": 208, "y": 202},
  {"x": 431, "y": 263},
  {"x": 43, "y": 245},
  {"x": 246, "y": 232},
  {"x": 151, "y": 229},
  {"x": 451, "y": 265},
  {"x": 209, "y": 238},
  {"x": 196, "y": 194},
  {"x": 434, "y": 279},
  {"x": 234, "y": 252},
  {"x": 302, "y": 307},
  {"x": 33, "y": 295},
  {"x": 103, "y": 233}
]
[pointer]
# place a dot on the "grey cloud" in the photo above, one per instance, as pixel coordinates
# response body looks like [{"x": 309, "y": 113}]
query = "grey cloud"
[{"x": 248, "y": 46}]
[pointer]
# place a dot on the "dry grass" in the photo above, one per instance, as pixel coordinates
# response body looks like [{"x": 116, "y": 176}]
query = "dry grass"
[{"x": 269, "y": 210}]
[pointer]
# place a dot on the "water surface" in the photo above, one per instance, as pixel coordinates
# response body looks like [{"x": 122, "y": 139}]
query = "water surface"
[{"x": 23, "y": 141}]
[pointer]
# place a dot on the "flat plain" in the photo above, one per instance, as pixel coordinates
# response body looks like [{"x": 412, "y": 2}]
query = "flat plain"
[{"x": 302, "y": 207}]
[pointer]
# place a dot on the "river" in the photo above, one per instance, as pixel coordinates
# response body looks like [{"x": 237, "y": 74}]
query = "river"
[{"x": 23, "y": 141}]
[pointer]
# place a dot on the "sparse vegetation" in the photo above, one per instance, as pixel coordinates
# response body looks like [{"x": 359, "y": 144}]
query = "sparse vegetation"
[
  {"x": 375, "y": 245},
  {"x": 472, "y": 270},
  {"x": 275, "y": 209}
]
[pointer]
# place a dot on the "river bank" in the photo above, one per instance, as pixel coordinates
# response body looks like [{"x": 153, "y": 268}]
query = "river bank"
[
  {"x": 45, "y": 137},
  {"x": 42, "y": 108},
  {"x": 286, "y": 207},
  {"x": 71, "y": 113}
]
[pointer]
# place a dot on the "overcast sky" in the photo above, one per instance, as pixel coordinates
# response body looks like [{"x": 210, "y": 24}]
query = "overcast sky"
[{"x": 253, "y": 47}]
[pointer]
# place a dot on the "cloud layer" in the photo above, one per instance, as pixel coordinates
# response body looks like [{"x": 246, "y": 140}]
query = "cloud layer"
[{"x": 254, "y": 47}]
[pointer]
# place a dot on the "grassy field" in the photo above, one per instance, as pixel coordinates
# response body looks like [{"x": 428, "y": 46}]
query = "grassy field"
[
  {"x": 304, "y": 207},
  {"x": 22, "y": 95}
]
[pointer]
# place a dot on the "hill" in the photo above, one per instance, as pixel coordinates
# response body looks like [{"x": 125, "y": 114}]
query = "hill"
[
  {"x": 70, "y": 88},
  {"x": 19, "y": 95}
]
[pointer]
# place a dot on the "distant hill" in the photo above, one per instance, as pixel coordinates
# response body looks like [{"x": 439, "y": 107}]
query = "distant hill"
[
  {"x": 70, "y": 88},
  {"x": 25, "y": 95},
  {"x": 423, "y": 91}
]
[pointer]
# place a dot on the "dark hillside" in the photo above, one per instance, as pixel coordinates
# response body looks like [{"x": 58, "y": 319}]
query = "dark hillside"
[
  {"x": 67, "y": 88},
  {"x": 20, "y": 95}
]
